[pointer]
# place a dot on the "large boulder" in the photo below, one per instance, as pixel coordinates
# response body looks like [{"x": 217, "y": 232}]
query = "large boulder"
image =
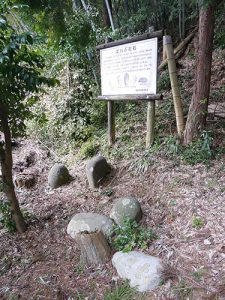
[
  {"x": 143, "y": 271},
  {"x": 58, "y": 176},
  {"x": 127, "y": 207},
  {"x": 96, "y": 169},
  {"x": 90, "y": 222}
]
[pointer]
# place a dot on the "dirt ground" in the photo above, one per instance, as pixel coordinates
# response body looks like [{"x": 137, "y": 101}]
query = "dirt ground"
[{"x": 43, "y": 263}]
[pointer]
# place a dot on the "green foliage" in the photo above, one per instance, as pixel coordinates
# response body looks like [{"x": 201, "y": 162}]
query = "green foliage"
[
  {"x": 20, "y": 73},
  {"x": 130, "y": 236},
  {"x": 6, "y": 217},
  {"x": 88, "y": 149},
  {"x": 122, "y": 292},
  {"x": 197, "y": 223},
  {"x": 198, "y": 274},
  {"x": 164, "y": 82},
  {"x": 199, "y": 151}
]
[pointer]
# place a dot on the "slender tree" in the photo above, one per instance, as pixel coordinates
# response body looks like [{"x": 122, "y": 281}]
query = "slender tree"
[
  {"x": 20, "y": 75},
  {"x": 199, "y": 105}
]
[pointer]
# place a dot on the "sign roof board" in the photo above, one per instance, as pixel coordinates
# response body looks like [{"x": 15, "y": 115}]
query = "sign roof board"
[{"x": 129, "y": 69}]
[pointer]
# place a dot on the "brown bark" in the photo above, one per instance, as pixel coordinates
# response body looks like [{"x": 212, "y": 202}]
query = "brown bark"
[
  {"x": 94, "y": 248},
  {"x": 6, "y": 166},
  {"x": 199, "y": 104}
]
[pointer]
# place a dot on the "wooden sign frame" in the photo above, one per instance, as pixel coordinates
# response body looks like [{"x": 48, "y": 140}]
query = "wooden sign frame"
[{"x": 150, "y": 98}]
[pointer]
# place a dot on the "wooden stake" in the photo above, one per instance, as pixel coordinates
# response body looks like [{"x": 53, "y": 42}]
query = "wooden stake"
[
  {"x": 150, "y": 124},
  {"x": 94, "y": 248},
  {"x": 167, "y": 41},
  {"x": 111, "y": 123}
]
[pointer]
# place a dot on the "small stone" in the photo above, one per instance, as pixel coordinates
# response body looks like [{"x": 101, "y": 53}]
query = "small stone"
[
  {"x": 97, "y": 168},
  {"x": 58, "y": 176},
  {"x": 90, "y": 222},
  {"x": 207, "y": 242},
  {"x": 127, "y": 207},
  {"x": 143, "y": 271}
]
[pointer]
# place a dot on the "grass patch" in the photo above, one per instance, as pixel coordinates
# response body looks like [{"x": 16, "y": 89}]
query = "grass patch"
[{"x": 122, "y": 292}]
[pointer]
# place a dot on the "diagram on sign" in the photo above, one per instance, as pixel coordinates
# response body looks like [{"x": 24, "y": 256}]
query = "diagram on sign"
[{"x": 129, "y": 69}]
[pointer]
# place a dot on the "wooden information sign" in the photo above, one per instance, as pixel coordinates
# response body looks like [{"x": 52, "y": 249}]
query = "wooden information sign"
[{"x": 129, "y": 72}]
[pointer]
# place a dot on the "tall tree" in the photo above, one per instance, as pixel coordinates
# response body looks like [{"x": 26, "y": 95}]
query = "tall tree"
[
  {"x": 199, "y": 103},
  {"x": 20, "y": 75}
]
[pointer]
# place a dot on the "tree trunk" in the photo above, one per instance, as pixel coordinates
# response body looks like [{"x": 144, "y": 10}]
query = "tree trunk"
[
  {"x": 6, "y": 166},
  {"x": 199, "y": 104},
  {"x": 106, "y": 19},
  {"x": 94, "y": 248}
]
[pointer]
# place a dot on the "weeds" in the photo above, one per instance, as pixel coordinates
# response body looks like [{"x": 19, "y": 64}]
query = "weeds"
[
  {"x": 199, "y": 151},
  {"x": 198, "y": 274},
  {"x": 6, "y": 217},
  {"x": 122, "y": 292},
  {"x": 130, "y": 236},
  {"x": 197, "y": 223},
  {"x": 182, "y": 291},
  {"x": 88, "y": 149}
]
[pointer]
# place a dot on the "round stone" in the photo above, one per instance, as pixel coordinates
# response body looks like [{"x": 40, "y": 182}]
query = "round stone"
[
  {"x": 58, "y": 176},
  {"x": 127, "y": 207}
]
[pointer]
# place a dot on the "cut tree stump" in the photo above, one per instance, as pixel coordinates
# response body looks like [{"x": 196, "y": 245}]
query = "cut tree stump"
[{"x": 94, "y": 248}]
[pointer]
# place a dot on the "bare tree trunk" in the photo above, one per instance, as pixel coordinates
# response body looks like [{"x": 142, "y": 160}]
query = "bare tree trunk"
[
  {"x": 6, "y": 166},
  {"x": 199, "y": 104}
]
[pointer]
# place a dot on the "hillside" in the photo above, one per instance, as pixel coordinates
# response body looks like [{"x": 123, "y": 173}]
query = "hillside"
[{"x": 183, "y": 204}]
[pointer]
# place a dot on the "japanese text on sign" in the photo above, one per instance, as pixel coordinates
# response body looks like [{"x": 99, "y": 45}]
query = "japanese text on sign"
[{"x": 130, "y": 68}]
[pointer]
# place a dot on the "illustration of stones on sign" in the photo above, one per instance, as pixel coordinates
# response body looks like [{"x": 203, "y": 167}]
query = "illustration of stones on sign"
[
  {"x": 96, "y": 169},
  {"x": 127, "y": 207}
]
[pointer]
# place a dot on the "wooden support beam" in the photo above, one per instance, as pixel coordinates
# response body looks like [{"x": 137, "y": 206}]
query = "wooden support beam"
[
  {"x": 149, "y": 97},
  {"x": 111, "y": 123},
  {"x": 145, "y": 36},
  {"x": 150, "y": 124}
]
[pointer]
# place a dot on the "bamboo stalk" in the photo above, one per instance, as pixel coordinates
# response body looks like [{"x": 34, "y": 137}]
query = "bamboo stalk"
[{"x": 167, "y": 41}]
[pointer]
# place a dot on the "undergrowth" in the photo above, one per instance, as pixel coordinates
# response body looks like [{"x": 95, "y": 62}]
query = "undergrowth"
[
  {"x": 130, "y": 236},
  {"x": 6, "y": 216}
]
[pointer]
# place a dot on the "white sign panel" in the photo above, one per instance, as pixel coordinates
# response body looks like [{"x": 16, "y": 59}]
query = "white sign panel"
[{"x": 129, "y": 69}]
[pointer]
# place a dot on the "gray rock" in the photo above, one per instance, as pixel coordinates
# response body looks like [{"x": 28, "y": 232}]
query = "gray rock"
[
  {"x": 143, "y": 271},
  {"x": 58, "y": 176},
  {"x": 97, "y": 168},
  {"x": 90, "y": 222},
  {"x": 127, "y": 207}
]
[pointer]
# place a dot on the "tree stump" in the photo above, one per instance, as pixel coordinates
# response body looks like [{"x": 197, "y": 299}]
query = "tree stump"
[{"x": 94, "y": 248}]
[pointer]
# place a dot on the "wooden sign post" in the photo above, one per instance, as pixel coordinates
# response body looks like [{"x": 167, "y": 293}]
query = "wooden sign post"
[{"x": 129, "y": 72}]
